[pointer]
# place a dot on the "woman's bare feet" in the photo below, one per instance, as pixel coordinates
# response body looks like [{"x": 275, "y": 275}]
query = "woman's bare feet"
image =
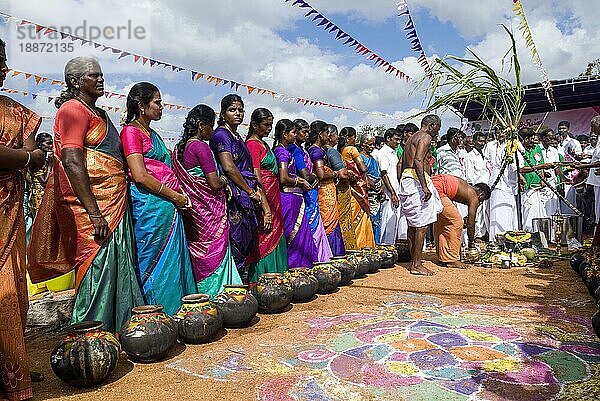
[
  {"x": 418, "y": 269},
  {"x": 456, "y": 265}
]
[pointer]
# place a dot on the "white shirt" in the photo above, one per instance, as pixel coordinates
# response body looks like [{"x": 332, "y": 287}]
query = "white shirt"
[
  {"x": 594, "y": 179},
  {"x": 450, "y": 161},
  {"x": 387, "y": 158},
  {"x": 494, "y": 155},
  {"x": 551, "y": 155},
  {"x": 476, "y": 168},
  {"x": 567, "y": 144}
]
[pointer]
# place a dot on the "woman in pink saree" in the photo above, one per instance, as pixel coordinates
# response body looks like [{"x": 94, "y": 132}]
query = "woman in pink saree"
[{"x": 206, "y": 223}]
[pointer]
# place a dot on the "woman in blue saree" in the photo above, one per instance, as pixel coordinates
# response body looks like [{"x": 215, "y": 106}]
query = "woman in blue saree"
[{"x": 165, "y": 269}]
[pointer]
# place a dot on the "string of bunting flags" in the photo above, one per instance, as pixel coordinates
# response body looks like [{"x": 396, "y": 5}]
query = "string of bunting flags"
[
  {"x": 195, "y": 75},
  {"x": 411, "y": 35},
  {"x": 348, "y": 40},
  {"x": 526, "y": 31},
  {"x": 41, "y": 79}
]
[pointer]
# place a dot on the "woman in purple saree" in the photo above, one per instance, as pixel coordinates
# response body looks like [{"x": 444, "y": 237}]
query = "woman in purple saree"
[
  {"x": 206, "y": 223},
  {"x": 302, "y": 251}
]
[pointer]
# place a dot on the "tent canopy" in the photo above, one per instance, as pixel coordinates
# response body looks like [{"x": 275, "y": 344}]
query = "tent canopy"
[{"x": 569, "y": 94}]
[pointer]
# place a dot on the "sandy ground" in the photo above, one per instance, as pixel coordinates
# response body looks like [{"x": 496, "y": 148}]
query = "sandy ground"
[{"x": 558, "y": 286}]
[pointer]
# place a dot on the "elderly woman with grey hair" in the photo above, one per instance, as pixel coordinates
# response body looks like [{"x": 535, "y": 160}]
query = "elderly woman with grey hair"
[
  {"x": 366, "y": 144},
  {"x": 84, "y": 222}
]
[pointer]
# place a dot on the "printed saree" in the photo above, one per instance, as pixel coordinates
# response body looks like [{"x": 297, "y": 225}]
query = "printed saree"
[
  {"x": 375, "y": 197},
  {"x": 328, "y": 204},
  {"x": 301, "y": 248},
  {"x": 207, "y": 231},
  {"x": 243, "y": 224},
  {"x": 164, "y": 264},
  {"x": 359, "y": 201},
  {"x": 272, "y": 243},
  {"x": 344, "y": 199},
  {"x": 62, "y": 236},
  {"x": 312, "y": 209},
  {"x": 17, "y": 123}
]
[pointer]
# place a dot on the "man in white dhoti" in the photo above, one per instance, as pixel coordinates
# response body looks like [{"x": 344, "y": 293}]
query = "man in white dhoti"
[
  {"x": 553, "y": 176},
  {"x": 476, "y": 171},
  {"x": 387, "y": 158},
  {"x": 594, "y": 174},
  {"x": 532, "y": 205},
  {"x": 570, "y": 149},
  {"x": 503, "y": 206},
  {"x": 419, "y": 200}
]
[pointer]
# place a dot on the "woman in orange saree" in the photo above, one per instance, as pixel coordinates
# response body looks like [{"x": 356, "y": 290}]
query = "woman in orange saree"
[
  {"x": 17, "y": 129},
  {"x": 84, "y": 222},
  {"x": 361, "y": 214},
  {"x": 318, "y": 137}
]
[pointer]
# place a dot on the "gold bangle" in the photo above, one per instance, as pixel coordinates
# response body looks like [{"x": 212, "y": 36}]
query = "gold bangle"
[{"x": 160, "y": 189}]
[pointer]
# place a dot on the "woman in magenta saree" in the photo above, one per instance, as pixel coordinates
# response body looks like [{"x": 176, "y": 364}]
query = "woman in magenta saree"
[
  {"x": 165, "y": 268},
  {"x": 301, "y": 248},
  {"x": 206, "y": 223},
  {"x": 271, "y": 241}
]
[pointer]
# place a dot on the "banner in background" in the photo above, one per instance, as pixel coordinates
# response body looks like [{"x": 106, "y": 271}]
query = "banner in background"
[{"x": 579, "y": 119}]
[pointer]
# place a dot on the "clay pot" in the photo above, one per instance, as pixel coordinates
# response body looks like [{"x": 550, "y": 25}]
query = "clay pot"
[
  {"x": 346, "y": 269},
  {"x": 273, "y": 292},
  {"x": 591, "y": 278},
  {"x": 149, "y": 334},
  {"x": 403, "y": 251},
  {"x": 394, "y": 252},
  {"x": 575, "y": 261},
  {"x": 582, "y": 266},
  {"x": 328, "y": 276},
  {"x": 87, "y": 355},
  {"x": 237, "y": 305},
  {"x": 387, "y": 256},
  {"x": 596, "y": 323},
  {"x": 304, "y": 284},
  {"x": 354, "y": 260},
  {"x": 362, "y": 263},
  {"x": 376, "y": 260},
  {"x": 198, "y": 321}
]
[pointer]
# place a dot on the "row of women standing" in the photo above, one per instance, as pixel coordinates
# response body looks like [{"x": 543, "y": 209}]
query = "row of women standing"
[{"x": 140, "y": 224}]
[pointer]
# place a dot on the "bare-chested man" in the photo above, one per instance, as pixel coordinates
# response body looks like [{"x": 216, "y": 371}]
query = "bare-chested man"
[{"x": 419, "y": 200}]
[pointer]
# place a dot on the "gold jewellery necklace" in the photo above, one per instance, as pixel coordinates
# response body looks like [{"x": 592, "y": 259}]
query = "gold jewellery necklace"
[{"x": 92, "y": 109}]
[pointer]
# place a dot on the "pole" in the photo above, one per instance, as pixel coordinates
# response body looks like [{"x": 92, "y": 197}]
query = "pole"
[{"x": 519, "y": 204}]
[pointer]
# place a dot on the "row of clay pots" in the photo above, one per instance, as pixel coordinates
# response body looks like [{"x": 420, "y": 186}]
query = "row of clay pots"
[
  {"x": 88, "y": 354},
  {"x": 586, "y": 264}
]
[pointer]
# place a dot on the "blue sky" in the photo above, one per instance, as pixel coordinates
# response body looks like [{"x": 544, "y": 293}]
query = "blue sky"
[{"x": 270, "y": 44}]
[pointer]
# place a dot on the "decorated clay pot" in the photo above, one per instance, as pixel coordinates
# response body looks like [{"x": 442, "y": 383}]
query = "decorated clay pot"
[
  {"x": 346, "y": 269},
  {"x": 403, "y": 249},
  {"x": 591, "y": 278},
  {"x": 575, "y": 261},
  {"x": 198, "y": 321},
  {"x": 273, "y": 292},
  {"x": 304, "y": 284},
  {"x": 149, "y": 334},
  {"x": 376, "y": 260},
  {"x": 394, "y": 251},
  {"x": 237, "y": 305},
  {"x": 363, "y": 263},
  {"x": 387, "y": 256},
  {"x": 328, "y": 276},
  {"x": 596, "y": 323},
  {"x": 354, "y": 260},
  {"x": 582, "y": 266},
  {"x": 87, "y": 355}
]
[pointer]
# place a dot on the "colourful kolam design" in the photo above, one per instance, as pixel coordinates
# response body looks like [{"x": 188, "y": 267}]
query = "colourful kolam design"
[{"x": 417, "y": 349}]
